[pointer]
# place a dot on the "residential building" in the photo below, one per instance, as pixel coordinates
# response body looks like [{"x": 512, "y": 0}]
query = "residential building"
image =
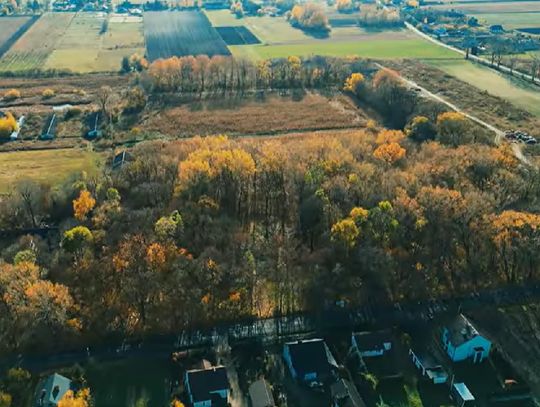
[
  {"x": 52, "y": 389},
  {"x": 207, "y": 387},
  {"x": 260, "y": 394},
  {"x": 372, "y": 344},
  {"x": 309, "y": 361},
  {"x": 462, "y": 341}
]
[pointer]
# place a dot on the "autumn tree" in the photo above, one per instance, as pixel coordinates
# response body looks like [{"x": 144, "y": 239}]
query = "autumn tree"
[
  {"x": 8, "y": 125},
  {"x": 389, "y": 153},
  {"x": 420, "y": 129},
  {"x": 346, "y": 232},
  {"x": 345, "y": 6},
  {"x": 74, "y": 240},
  {"x": 451, "y": 128},
  {"x": 309, "y": 16},
  {"x": 79, "y": 399},
  {"x": 354, "y": 83},
  {"x": 83, "y": 205}
]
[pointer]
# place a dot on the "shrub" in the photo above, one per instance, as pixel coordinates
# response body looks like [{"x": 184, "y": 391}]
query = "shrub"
[
  {"x": 12, "y": 94},
  {"x": 72, "y": 112},
  {"x": 47, "y": 93}
]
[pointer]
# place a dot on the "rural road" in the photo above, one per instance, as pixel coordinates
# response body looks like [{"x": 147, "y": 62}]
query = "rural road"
[
  {"x": 483, "y": 61},
  {"x": 499, "y": 134}
]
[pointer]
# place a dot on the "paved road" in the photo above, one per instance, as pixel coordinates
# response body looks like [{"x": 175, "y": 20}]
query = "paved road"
[
  {"x": 499, "y": 134},
  {"x": 480, "y": 60}
]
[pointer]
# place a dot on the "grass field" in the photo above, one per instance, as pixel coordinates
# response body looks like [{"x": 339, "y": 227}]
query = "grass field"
[
  {"x": 9, "y": 26},
  {"x": 486, "y": 79},
  {"x": 47, "y": 166},
  {"x": 374, "y": 48},
  {"x": 34, "y": 47},
  {"x": 279, "y": 39},
  {"x": 510, "y": 20},
  {"x": 493, "y": 7}
]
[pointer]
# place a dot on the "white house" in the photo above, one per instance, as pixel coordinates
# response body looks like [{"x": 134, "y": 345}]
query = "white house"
[
  {"x": 372, "y": 344},
  {"x": 462, "y": 341},
  {"x": 309, "y": 361},
  {"x": 207, "y": 387}
]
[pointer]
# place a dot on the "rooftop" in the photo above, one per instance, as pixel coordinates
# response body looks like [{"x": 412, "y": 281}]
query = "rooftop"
[
  {"x": 372, "y": 340},
  {"x": 54, "y": 388},
  {"x": 260, "y": 394},
  {"x": 204, "y": 382},
  {"x": 345, "y": 394},
  {"x": 463, "y": 391},
  {"x": 461, "y": 330},
  {"x": 310, "y": 356}
]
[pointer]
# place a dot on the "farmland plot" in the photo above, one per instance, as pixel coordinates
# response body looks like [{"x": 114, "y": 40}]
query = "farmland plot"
[
  {"x": 9, "y": 27},
  {"x": 237, "y": 35},
  {"x": 34, "y": 47},
  {"x": 181, "y": 33}
]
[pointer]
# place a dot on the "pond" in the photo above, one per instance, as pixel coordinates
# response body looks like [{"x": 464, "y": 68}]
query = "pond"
[{"x": 124, "y": 382}]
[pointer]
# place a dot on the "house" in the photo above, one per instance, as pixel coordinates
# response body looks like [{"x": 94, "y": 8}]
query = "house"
[
  {"x": 428, "y": 367},
  {"x": 53, "y": 388},
  {"x": 345, "y": 394},
  {"x": 496, "y": 29},
  {"x": 462, "y": 395},
  {"x": 207, "y": 387},
  {"x": 462, "y": 341},
  {"x": 372, "y": 344},
  {"x": 260, "y": 394},
  {"x": 309, "y": 361}
]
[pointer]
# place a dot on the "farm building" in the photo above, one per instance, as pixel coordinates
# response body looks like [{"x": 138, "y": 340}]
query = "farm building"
[
  {"x": 52, "y": 389},
  {"x": 428, "y": 367},
  {"x": 260, "y": 394},
  {"x": 462, "y": 341},
  {"x": 371, "y": 344},
  {"x": 309, "y": 361},
  {"x": 207, "y": 387},
  {"x": 462, "y": 395},
  {"x": 345, "y": 394}
]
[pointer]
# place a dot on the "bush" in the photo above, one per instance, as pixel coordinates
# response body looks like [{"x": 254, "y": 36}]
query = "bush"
[
  {"x": 48, "y": 93},
  {"x": 309, "y": 16},
  {"x": 12, "y": 94},
  {"x": 72, "y": 112}
]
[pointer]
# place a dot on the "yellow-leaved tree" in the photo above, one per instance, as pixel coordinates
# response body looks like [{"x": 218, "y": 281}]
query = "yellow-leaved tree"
[
  {"x": 354, "y": 83},
  {"x": 80, "y": 399},
  {"x": 389, "y": 153},
  {"x": 83, "y": 205},
  {"x": 8, "y": 125}
]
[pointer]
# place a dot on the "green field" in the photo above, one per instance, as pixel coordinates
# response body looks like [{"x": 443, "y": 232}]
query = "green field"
[
  {"x": 510, "y": 20},
  {"x": 513, "y": 90},
  {"x": 47, "y": 166},
  {"x": 389, "y": 49}
]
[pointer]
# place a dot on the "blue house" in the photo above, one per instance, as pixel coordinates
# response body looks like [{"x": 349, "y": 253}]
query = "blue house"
[
  {"x": 52, "y": 390},
  {"x": 309, "y": 361},
  {"x": 372, "y": 344},
  {"x": 462, "y": 341},
  {"x": 207, "y": 387}
]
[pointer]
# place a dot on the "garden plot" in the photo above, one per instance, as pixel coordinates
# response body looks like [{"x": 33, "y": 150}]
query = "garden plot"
[
  {"x": 237, "y": 35},
  {"x": 181, "y": 33}
]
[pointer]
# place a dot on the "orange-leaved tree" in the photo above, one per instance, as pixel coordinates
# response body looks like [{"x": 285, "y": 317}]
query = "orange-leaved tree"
[{"x": 83, "y": 205}]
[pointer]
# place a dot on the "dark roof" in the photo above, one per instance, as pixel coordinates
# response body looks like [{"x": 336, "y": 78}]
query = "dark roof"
[
  {"x": 205, "y": 381},
  {"x": 311, "y": 356},
  {"x": 260, "y": 394},
  {"x": 461, "y": 330},
  {"x": 345, "y": 394},
  {"x": 372, "y": 340}
]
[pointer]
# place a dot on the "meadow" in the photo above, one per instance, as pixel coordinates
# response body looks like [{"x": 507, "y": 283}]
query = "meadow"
[
  {"x": 46, "y": 166},
  {"x": 495, "y": 7},
  {"x": 510, "y": 20},
  {"x": 485, "y": 79},
  {"x": 279, "y": 39}
]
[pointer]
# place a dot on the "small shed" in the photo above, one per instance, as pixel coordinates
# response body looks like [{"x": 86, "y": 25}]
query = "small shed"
[
  {"x": 462, "y": 395},
  {"x": 428, "y": 367},
  {"x": 260, "y": 394}
]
